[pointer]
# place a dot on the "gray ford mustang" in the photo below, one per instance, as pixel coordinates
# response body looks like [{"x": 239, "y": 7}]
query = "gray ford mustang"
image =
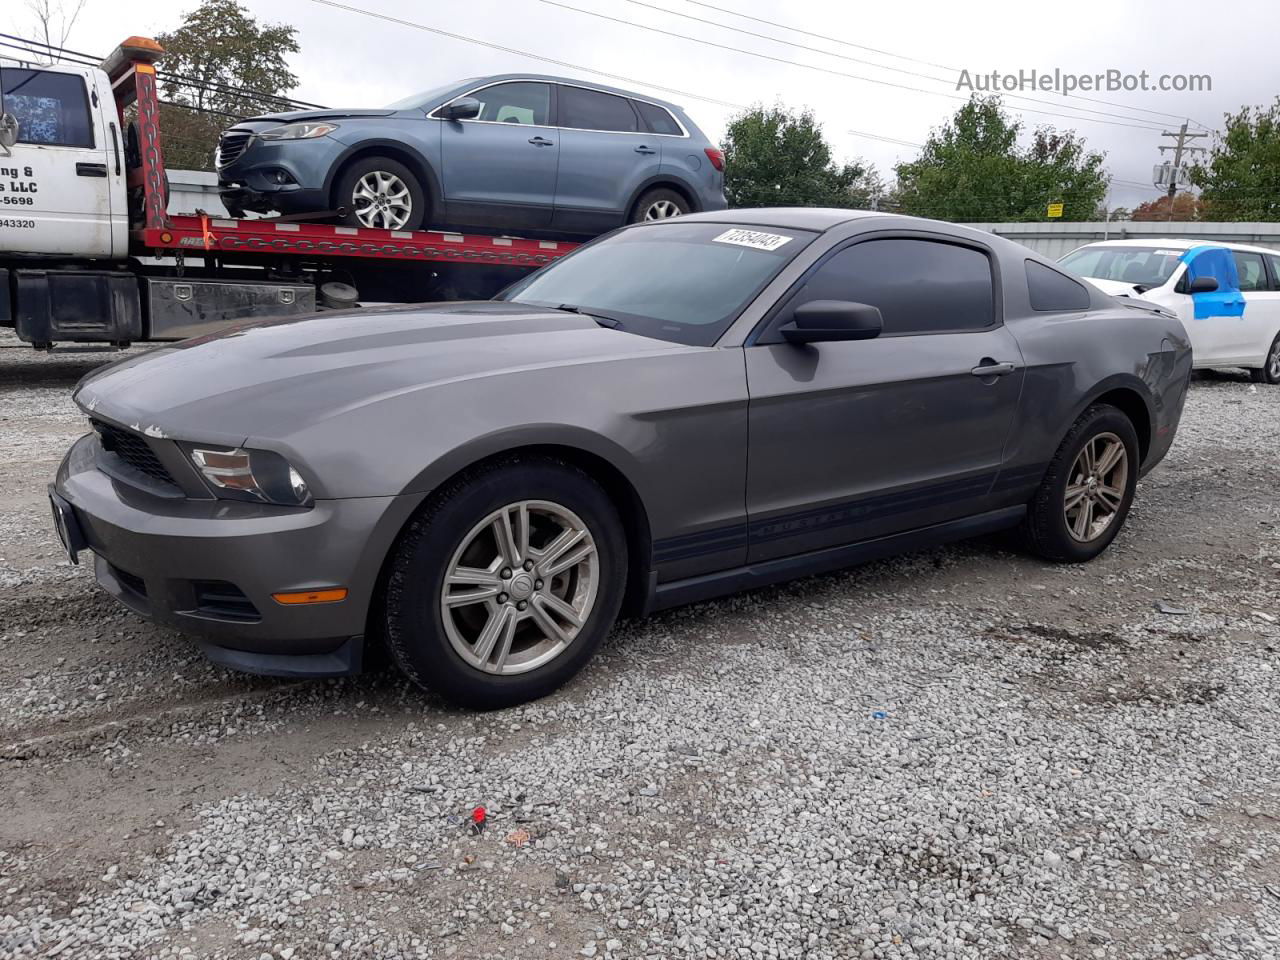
[{"x": 675, "y": 411}]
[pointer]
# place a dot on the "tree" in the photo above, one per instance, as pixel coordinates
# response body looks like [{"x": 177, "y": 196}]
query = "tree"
[
  {"x": 1241, "y": 180},
  {"x": 973, "y": 169},
  {"x": 53, "y": 23},
  {"x": 775, "y": 157},
  {"x": 1185, "y": 206},
  {"x": 230, "y": 67}
]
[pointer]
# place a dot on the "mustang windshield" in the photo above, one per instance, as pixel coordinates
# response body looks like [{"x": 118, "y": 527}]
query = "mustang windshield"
[
  {"x": 1142, "y": 266},
  {"x": 685, "y": 282}
]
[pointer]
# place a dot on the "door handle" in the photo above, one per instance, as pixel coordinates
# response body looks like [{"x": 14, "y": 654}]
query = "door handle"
[
  {"x": 990, "y": 368},
  {"x": 643, "y": 149},
  {"x": 541, "y": 142},
  {"x": 91, "y": 169}
]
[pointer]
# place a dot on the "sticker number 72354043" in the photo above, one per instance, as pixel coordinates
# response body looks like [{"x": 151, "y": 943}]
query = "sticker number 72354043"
[
  {"x": 756, "y": 239},
  {"x": 20, "y": 224}
]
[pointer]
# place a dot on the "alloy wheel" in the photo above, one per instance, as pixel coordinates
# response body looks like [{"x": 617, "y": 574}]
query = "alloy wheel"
[
  {"x": 520, "y": 587},
  {"x": 1096, "y": 487},
  {"x": 1273, "y": 362},
  {"x": 661, "y": 210},
  {"x": 382, "y": 200}
]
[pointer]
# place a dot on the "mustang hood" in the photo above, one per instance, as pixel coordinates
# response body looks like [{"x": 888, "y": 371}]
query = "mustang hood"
[{"x": 273, "y": 379}]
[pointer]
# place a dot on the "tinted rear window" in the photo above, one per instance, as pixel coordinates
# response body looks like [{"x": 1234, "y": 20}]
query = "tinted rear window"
[
  {"x": 52, "y": 109},
  {"x": 1054, "y": 291},
  {"x": 593, "y": 110},
  {"x": 657, "y": 119}
]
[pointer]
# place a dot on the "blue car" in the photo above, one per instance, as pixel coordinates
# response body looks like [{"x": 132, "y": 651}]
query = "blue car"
[{"x": 516, "y": 152}]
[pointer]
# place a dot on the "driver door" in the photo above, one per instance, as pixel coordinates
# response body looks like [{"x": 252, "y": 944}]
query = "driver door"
[{"x": 855, "y": 440}]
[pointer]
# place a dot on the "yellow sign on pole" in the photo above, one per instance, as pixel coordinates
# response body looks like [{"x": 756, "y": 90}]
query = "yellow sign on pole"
[{"x": 1055, "y": 210}]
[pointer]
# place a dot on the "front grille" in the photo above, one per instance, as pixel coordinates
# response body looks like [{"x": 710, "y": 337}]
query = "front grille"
[
  {"x": 231, "y": 144},
  {"x": 133, "y": 449},
  {"x": 224, "y": 601}
]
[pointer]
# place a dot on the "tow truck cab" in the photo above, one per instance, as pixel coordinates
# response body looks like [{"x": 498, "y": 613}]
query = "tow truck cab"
[{"x": 62, "y": 180}]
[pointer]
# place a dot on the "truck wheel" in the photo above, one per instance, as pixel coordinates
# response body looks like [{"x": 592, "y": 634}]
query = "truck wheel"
[
  {"x": 1269, "y": 372},
  {"x": 382, "y": 193},
  {"x": 658, "y": 204},
  {"x": 502, "y": 588},
  {"x": 1087, "y": 490}
]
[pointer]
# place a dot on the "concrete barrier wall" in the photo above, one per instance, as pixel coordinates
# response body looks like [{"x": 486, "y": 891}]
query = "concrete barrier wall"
[{"x": 1057, "y": 239}]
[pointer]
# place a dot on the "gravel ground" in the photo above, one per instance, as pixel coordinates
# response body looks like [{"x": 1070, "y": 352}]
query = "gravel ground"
[{"x": 961, "y": 753}]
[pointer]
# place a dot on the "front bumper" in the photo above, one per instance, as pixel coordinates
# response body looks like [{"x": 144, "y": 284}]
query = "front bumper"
[
  {"x": 251, "y": 181},
  {"x": 210, "y": 567}
]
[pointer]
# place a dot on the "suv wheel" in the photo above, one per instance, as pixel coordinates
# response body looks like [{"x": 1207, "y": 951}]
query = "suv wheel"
[
  {"x": 659, "y": 204},
  {"x": 1269, "y": 372},
  {"x": 381, "y": 193},
  {"x": 1087, "y": 490},
  {"x": 506, "y": 583}
]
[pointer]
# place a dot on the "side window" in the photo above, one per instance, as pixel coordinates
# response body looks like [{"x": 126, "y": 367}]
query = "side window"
[
  {"x": 920, "y": 286},
  {"x": 657, "y": 119},
  {"x": 1252, "y": 274},
  {"x": 1274, "y": 262},
  {"x": 527, "y": 103},
  {"x": 1054, "y": 291},
  {"x": 52, "y": 109},
  {"x": 593, "y": 110}
]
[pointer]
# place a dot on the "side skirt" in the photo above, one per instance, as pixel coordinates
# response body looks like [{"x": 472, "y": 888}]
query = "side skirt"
[{"x": 753, "y": 575}]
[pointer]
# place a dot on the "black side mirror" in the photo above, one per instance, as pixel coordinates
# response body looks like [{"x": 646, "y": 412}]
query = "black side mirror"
[
  {"x": 1203, "y": 285},
  {"x": 464, "y": 108},
  {"x": 821, "y": 320}
]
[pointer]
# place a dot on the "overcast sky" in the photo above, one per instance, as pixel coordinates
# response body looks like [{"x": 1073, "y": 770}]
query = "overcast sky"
[{"x": 352, "y": 59}]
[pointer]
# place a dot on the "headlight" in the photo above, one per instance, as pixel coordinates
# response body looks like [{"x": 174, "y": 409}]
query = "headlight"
[
  {"x": 256, "y": 475},
  {"x": 305, "y": 130}
]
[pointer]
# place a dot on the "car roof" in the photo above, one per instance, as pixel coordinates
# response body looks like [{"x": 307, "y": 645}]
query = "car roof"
[
  {"x": 791, "y": 218},
  {"x": 1179, "y": 243}
]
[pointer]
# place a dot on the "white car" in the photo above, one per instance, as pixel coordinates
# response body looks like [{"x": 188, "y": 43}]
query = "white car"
[{"x": 1227, "y": 294}]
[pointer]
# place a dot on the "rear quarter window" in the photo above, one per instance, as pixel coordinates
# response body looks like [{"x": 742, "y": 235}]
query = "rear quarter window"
[
  {"x": 1054, "y": 292},
  {"x": 657, "y": 118}
]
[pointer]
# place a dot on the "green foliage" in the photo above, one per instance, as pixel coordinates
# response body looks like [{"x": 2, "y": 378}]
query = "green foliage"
[
  {"x": 1241, "y": 180},
  {"x": 778, "y": 157},
  {"x": 972, "y": 169},
  {"x": 220, "y": 43}
]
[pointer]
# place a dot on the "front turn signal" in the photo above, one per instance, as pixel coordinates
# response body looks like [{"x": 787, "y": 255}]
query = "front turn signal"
[{"x": 311, "y": 596}]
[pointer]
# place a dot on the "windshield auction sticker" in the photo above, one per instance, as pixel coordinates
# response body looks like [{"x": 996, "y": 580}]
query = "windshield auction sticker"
[{"x": 752, "y": 238}]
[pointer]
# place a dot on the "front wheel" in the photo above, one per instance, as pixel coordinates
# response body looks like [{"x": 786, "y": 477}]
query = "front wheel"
[
  {"x": 1087, "y": 490},
  {"x": 506, "y": 583},
  {"x": 1269, "y": 372},
  {"x": 659, "y": 204},
  {"x": 381, "y": 193}
]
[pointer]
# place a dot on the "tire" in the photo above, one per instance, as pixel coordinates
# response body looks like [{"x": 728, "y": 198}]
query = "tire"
[
  {"x": 1046, "y": 530},
  {"x": 1269, "y": 372},
  {"x": 380, "y": 178},
  {"x": 658, "y": 204},
  {"x": 428, "y": 639}
]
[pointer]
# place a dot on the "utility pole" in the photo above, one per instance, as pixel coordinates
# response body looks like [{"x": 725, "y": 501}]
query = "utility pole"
[{"x": 1181, "y": 139}]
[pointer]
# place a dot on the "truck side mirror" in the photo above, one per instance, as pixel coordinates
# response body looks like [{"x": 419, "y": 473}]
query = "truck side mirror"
[
  {"x": 8, "y": 130},
  {"x": 464, "y": 108},
  {"x": 1203, "y": 285}
]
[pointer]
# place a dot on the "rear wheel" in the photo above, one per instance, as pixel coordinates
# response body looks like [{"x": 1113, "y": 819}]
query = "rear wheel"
[
  {"x": 382, "y": 193},
  {"x": 1269, "y": 372},
  {"x": 505, "y": 585},
  {"x": 659, "y": 204},
  {"x": 1087, "y": 490}
]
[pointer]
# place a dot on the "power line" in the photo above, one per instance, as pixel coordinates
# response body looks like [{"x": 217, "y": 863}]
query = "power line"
[
  {"x": 871, "y": 63},
  {"x": 928, "y": 63},
  {"x": 523, "y": 53},
  {"x": 815, "y": 67}
]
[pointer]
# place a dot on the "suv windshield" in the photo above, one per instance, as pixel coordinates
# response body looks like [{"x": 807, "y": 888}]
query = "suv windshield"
[
  {"x": 685, "y": 282},
  {"x": 1141, "y": 266}
]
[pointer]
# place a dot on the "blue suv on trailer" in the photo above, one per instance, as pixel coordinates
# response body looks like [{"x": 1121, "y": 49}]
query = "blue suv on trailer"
[{"x": 513, "y": 152}]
